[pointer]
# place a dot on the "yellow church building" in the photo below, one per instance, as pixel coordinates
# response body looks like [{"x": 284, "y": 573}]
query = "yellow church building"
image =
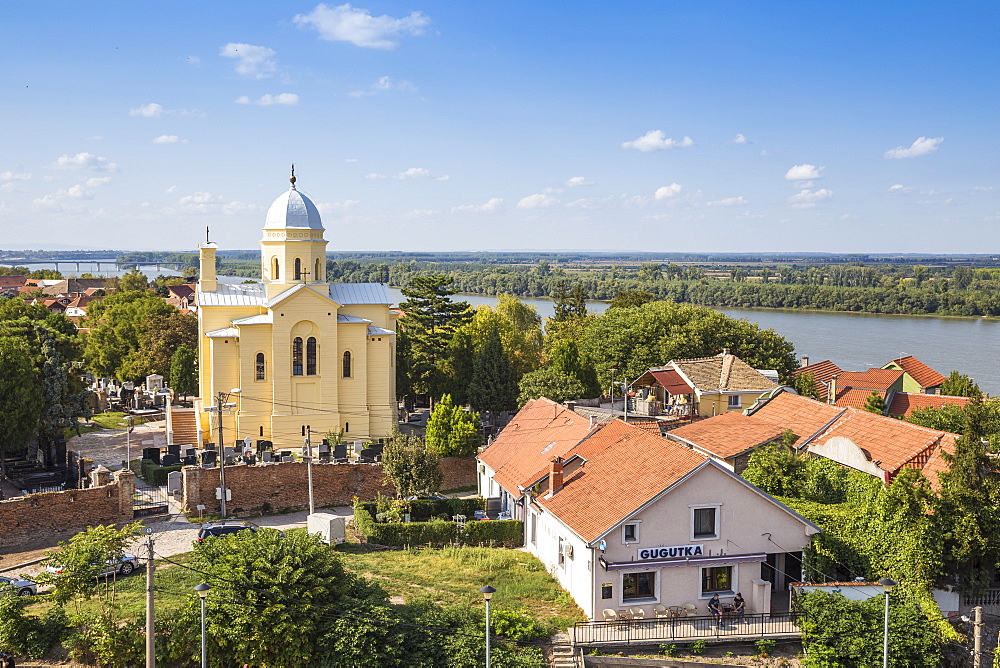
[{"x": 301, "y": 351}]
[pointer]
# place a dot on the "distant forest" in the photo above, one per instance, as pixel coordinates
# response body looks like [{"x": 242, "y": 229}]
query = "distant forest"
[{"x": 956, "y": 285}]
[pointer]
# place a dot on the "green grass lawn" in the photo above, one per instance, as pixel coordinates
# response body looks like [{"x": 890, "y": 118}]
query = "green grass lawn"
[
  {"x": 448, "y": 576},
  {"x": 111, "y": 420},
  {"x": 453, "y": 575}
]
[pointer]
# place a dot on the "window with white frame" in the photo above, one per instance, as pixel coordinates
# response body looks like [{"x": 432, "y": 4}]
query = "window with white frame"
[
  {"x": 717, "y": 580},
  {"x": 734, "y": 401},
  {"x": 533, "y": 527},
  {"x": 704, "y": 522},
  {"x": 630, "y": 532},
  {"x": 562, "y": 552},
  {"x": 639, "y": 585}
]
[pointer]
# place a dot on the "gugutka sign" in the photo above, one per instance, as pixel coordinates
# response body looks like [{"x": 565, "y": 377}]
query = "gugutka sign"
[{"x": 673, "y": 551}]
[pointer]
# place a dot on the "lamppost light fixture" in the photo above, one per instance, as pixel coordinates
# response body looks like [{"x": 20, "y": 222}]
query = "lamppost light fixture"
[
  {"x": 887, "y": 584},
  {"x": 487, "y": 592},
  {"x": 235, "y": 390},
  {"x": 202, "y": 589}
]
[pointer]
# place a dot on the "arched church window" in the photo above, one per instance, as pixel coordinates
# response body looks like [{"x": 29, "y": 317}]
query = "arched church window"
[
  {"x": 316, "y": 275},
  {"x": 347, "y": 364},
  {"x": 311, "y": 356},
  {"x": 298, "y": 269},
  {"x": 274, "y": 269},
  {"x": 259, "y": 364},
  {"x": 297, "y": 356}
]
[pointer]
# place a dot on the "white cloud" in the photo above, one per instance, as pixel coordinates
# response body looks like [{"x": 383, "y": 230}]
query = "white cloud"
[
  {"x": 255, "y": 62},
  {"x": 169, "y": 139},
  {"x": 804, "y": 173},
  {"x": 575, "y": 181},
  {"x": 656, "y": 140},
  {"x": 79, "y": 192},
  {"x": 899, "y": 188},
  {"x": 740, "y": 139},
  {"x": 920, "y": 146},
  {"x": 536, "y": 201},
  {"x": 357, "y": 26},
  {"x": 86, "y": 161},
  {"x": 194, "y": 61},
  {"x": 200, "y": 198},
  {"x": 384, "y": 84},
  {"x": 728, "y": 201},
  {"x": 8, "y": 187},
  {"x": 98, "y": 181},
  {"x": 666, "y": 192},
  {"x": 268, "y": 100},
  {"x": 373, "y": 176},
  {"x": 151, "y": 110},
  {"x": 414, "y": 173},
  {"x": 14, "y": 176},
  {"x": 807, "y": 199},
  {"x": 171, "y": 190},
  {"x": 350, "y": 159},
  {"x": 337, "y": 207},
  {"x": 490, "y": 205}
]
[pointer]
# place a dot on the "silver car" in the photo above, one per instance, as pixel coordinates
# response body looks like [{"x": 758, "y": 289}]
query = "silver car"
[
  {"x": 123, "y": 566},
  {"x": 20, "y": 587}
]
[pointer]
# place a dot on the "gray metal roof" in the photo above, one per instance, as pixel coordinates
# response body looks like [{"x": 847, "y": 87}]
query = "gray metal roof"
[
  {"x": 347, "y": 319},
  {"x": 224, "y": 333},
  {"x": 360, "y": 293},
  {"x": 262, "y": 319},
  {"x": 293, "y": 209},
  {"x": 231, "y": 294},
  {"x": 378, "y": 331}
]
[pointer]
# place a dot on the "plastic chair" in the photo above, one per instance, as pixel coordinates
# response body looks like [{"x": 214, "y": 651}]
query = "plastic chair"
[
  {"x": 660, "y": 611},
  {"x": 690, "y": 610},
  {"x": 637, "y": 613},
  {"x": 610, "y": 615}
]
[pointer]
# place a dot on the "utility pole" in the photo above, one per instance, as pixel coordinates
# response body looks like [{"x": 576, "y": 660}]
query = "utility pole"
[
  {"x": 222, "y": 459},
  {"x": 308, "y": 452},
  {"x": 977, "y": 647},
  {"x": 150, "y": 619}
]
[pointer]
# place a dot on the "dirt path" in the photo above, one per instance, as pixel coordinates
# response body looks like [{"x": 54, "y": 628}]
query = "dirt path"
[{"x": 110, "y": 446}]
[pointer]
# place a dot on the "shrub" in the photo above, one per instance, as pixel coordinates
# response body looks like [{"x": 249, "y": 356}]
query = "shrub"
[
  {"x": 27, "y": 634},
  {"x": 436, "y": 532},
  {"x": 495, "y": 533},
  {"x": 764, "y": 646},
  {"x": 698, "y": 647},
  {"x": 668, "y": 649},
  {"x": 421, "y": 510},
  {"x": 154, "y": 474}
]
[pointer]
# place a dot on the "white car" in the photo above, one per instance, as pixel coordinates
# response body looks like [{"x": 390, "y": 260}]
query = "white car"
[
  {"x": 20, "y": 587},
  {"x": 123, "y": 566}
]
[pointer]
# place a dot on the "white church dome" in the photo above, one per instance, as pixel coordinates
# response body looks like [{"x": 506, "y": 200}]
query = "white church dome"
[{"x": 293, "y": 209}]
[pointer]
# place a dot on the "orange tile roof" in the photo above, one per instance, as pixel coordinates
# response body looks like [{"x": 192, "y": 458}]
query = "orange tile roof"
[
  {"x": 540, "y": 431},
  {"x": 890, "y": 444},
  {"x": 626, "y": 467},
  {"x": 920, "y": 372},
  {"x": 651, "y": 426},
  {"x": 724, "y": 372},
  {"x": 729, "y": 434},
  {"x": 802, "y": 415},
  {"x": 904, "y": 403},
  {"x": 821, "y": 373},
  {"x": 936, "y": 462},
  {"x": 855, "y": 398},
  {"x": 873, "y": 379}
]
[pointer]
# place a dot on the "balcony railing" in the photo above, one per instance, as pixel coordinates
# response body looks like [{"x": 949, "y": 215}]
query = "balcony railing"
[{"x": 666, "y": 629}]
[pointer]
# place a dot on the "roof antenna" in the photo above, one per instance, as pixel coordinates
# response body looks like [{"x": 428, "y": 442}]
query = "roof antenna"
[
  {"x": 292, "y": 180},
  {"x": 206, "y": 235}
]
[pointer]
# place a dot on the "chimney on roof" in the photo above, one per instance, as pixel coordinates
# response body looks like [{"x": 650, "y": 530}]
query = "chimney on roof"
[
  {"x": 805, "y": 360},
  {"x": 725, "y": 351},
  {"x": 831, "y": 394},
  {"x": 555, "y": 475}
]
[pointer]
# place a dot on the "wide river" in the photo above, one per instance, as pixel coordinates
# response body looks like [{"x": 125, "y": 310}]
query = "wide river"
[{"x": 859, "y": 341}]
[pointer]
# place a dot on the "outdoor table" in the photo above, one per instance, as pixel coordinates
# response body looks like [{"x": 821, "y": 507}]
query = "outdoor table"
[{"x": 675, "y": 610}]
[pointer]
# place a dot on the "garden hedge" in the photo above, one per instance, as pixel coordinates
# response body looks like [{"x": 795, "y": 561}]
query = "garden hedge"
[
  {"x": 437, "y": 533},
  {"x": 422, "y": 510}
]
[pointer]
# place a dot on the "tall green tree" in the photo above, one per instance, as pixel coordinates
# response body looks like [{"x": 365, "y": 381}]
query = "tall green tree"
[
  {"x": 566, "y": 358},
  {"x": 133, "y": 280},
  {"x": 411, "y": 467},
  {"x": 460, "y": 364},
  {"x": 451, "y": 431},
  {"x": 570, "y": 302},
  {"x": 805, "y": 384},
  {"x": 22, "y": 400},
  {"x": 184, "y": 370},
  {"x": 430, "y": 321},
  {"x": 494, "y": 382},
  {"x": 626, "y": 298},
  {"x": 960, "y": 385},
  {"x": 160, "y": 335},
  {"x": 117, "y": 326},
  {"x": 550, "y": 383}
]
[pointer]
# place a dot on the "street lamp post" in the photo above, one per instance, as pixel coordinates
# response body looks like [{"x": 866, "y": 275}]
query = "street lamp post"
[
  {"x": 887, "y": 585},
  {"x": 202, "y": 590},
  {"x": 129, "y": 426},
  {"x": 487, "y": 594},
  {"x": 308, "y": 452},
  {"x": 221, "y": 399}
]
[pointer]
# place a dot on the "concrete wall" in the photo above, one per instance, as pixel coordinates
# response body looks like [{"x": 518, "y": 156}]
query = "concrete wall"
[
  {"x": 274, "y": 487},
  {"x": 54, "y": 513}
]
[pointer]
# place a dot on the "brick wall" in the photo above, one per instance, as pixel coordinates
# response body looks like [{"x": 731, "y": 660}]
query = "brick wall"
[
  {"x": 273, "y": 487},
  {"x": 56, "y": 513}
]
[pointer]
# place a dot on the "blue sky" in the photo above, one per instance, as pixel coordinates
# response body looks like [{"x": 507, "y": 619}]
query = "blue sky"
[{"x": 661, "y": 126}]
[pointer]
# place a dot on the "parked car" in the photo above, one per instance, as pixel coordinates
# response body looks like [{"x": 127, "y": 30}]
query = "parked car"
[
  {"x": 426, "y": 497},
  {"x": 20, "y": 587},
  {"x": 480, "y": 515},
  {"x": 123, "y": 566},
  {"x": 224, "y": 528}
]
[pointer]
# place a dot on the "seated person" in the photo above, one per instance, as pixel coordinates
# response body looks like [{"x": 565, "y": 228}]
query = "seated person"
[
  {"x": 715, "y": 607},
  {"x": 739, "y": 606}
]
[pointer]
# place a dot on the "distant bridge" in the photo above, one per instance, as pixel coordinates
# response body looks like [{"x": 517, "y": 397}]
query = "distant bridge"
[{"x": 119, "y": 266}]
